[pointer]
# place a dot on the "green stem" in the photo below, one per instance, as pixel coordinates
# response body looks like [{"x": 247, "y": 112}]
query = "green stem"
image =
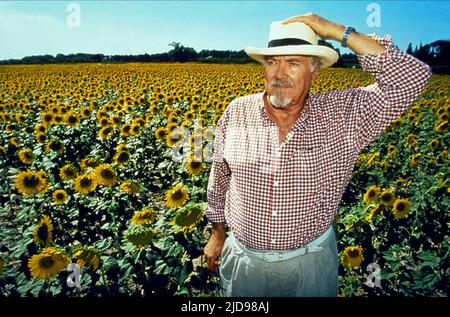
[{"x": 102, "y": 274}]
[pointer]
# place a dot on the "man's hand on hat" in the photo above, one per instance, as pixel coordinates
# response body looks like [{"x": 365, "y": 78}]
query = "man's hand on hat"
[{"x": 323, "y": 28}]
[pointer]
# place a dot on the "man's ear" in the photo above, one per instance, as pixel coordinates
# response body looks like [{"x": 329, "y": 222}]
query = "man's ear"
[{"x": 315, "y": 74}]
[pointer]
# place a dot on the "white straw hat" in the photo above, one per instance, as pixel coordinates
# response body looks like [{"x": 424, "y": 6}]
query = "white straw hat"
[{"x": 293, "y": 39}]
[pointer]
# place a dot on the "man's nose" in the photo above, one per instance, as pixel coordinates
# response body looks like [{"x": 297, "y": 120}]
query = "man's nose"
[{"x": 281, "y": 72}]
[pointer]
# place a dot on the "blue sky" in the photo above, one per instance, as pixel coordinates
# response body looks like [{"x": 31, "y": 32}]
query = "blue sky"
[{"x": 119, "y": 27}]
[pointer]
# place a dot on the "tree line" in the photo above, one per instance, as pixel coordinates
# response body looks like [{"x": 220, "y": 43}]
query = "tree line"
[{"x": 436, "y": 54}]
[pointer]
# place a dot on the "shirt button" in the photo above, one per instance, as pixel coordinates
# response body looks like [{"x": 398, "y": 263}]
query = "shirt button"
[
  {"x": 278, "y": 154},
  {"x": 274, "y": 241},
  {"x": 274, "y": 213},
  {"x": 275, "y": 183}
]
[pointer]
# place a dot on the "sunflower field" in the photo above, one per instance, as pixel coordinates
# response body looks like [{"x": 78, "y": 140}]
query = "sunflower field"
[{"x": 104, "y": 171}]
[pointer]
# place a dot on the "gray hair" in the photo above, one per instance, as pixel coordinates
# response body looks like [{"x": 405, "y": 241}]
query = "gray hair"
[{"x": 316, "y": 63}]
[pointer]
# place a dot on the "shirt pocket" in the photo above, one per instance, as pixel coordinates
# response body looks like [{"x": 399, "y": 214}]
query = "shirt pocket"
[{"x": 304, "y": 170}]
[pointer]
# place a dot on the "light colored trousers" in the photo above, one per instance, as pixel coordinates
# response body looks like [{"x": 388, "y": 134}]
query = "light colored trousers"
[{"x": 309, "y": 271}]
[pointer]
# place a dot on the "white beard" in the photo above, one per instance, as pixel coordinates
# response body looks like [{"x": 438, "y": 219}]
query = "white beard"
[{"x": 279, "y": 100}]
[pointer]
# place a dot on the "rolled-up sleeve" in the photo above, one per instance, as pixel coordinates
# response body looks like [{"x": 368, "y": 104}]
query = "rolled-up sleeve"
[
  {"x": 219, "y": 177},
  {"x": 399, "y": 80}
]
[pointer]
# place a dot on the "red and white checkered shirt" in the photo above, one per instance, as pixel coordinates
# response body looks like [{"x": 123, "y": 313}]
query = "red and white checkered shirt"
[{"x": 282, "y": 196}]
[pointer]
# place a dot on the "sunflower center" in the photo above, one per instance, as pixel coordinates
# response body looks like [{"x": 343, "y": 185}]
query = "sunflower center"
[
  {"x": 371, "y": 193},
  {"x": 353, "y": 253},
  {"x": 107, "y": 174},
  {"x": 59, "y": 196},
  {"x": 161, "y": 134},
  {"x": 177, "y": 194},
  {"x": 72, "y": 119},
  {"x": 69, "y": 172},
  {"x": 46, "y": 262},
  {"x": 386, "y": 197},
  {"x": 85, "y": 182},
  {"x": 195, "y": 165},
  {"x": 43, "y": 232},
  {"x": 400, "y": 206},
  {"x": 31, "y": 181},
  {"x": 123, "y": 157},
  {"x": 55, "y": 146}
]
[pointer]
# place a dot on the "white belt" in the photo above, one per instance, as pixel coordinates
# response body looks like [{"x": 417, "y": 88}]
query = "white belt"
[{"x": 276, "y": 256}]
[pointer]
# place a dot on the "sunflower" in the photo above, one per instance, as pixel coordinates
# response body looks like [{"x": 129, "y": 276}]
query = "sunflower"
[
  {"x": 142, "y": 217},
  {"x": 14, "y": 142},
  {"x": 104, "y": 122},
  {"x": 47, "y": 118},
  {"x": 392, "y": 150},
  {"x": 372, "y": 194},
  {"x": 434, "y": 144},
  {"x": 47, "y": 263},
  {"x": 176, "y": 196},
  {"x": 68, "y": 172},
  {"x": 411, "y": 139},
  {"x": 58, "y": 120},
  {"x": 26, "y": 156},
  {"x": 42, "y": 234},
  {"x": 105, "y": 175},
  {"x": 85, "y": 183},
  {"x": 384, "y": 165},
  {"x": 40, "y": 137},
  {"x": 415, "y": 159},
  {"x": 160, "y": 133},
  {"x": 373, "y": 157},
  {"x": 140, "y": 237},
  {"x": 125, "y": 130},
  {"x": 86, "y": 257},
  {"x": 134, "y": 130},
  {"x": 31, "y": 182},
  {"x": 352, "y": 256},
  {"x": 149, "y": 118},
  {"x": 54, "y": 145},
  {"x": 105, "y": 132},
  {"x": 59, "y": 196},
  {"x": 193, "y": 166},
  {"x": 401, "y": 208},
  {"x": 441, "y": 126},
  {"x": 89, "y": 162},
  {"x": 121, "y": 147},
  {"x": 122, "y": 157},
  {"x": 85, "y": 112},
  {"x": 188, "y": 116},
  {"x": 130, "y": 187},
  {"x": 399, "y": 182},
  {"x": 10, "y": 128},
  {"x": 387, "y": 197},
  {"x": 187, "y": 218},
  {"x": 375, "y": 211},
  {"x": 40, "y": 128},
  {"x": 71, "y": 119}
]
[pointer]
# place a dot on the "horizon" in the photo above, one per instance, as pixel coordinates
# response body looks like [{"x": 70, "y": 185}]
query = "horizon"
[{"x": 128, "y": 28}]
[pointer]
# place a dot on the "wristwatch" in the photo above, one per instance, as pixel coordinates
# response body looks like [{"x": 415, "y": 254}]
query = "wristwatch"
[{"x": 346, "y": 34}]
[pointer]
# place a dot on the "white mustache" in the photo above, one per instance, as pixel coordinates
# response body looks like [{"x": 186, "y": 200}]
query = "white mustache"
[{"x": 281, "y": 83}]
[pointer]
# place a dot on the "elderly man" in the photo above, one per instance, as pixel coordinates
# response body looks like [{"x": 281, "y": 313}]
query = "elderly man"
[{"x": 283, "y": 158}]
